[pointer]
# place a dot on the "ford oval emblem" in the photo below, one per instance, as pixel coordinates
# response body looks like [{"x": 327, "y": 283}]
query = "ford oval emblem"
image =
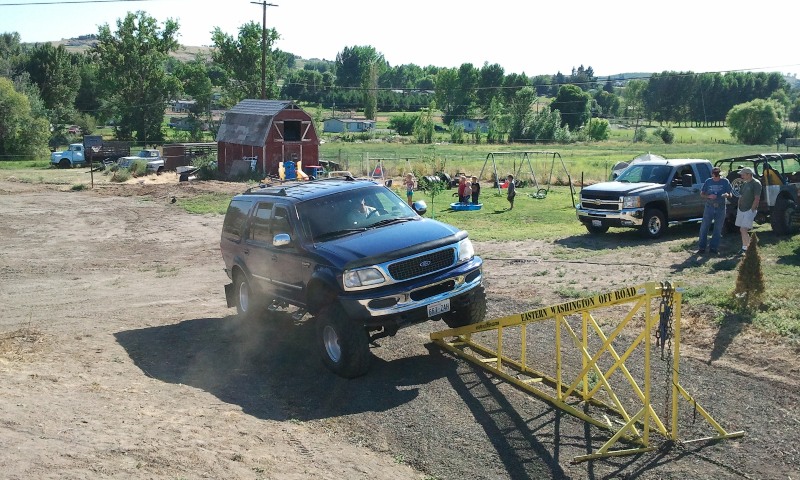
[{"x": 425, "y": 263}]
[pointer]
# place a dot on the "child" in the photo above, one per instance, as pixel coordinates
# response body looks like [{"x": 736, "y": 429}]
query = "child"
[
  {"x": 476, "y": 190},
  {"x": 462, "y": 182},
  {"x": 410, "y": 186},
  {"x": 467, "y": 192},
  {"x": 512, "y": 191}
]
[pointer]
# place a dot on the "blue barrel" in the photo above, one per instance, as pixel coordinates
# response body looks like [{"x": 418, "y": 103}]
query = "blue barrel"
[{"x": 290, "y": 170}]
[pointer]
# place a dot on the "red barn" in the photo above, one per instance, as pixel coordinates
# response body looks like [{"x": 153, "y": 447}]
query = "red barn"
[{"x": 271, "y": 131}]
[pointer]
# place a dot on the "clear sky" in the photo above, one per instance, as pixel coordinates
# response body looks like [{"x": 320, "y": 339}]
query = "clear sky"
[{"x": 611, "y": 36}]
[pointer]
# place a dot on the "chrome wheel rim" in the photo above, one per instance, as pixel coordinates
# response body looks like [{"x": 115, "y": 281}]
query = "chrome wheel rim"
[
  {"x": 331, "y": 341},
  {"x": 244, "y": 296}
]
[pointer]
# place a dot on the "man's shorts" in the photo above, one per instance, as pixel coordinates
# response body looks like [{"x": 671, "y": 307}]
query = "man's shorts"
[{"x": 745, "y": 219}]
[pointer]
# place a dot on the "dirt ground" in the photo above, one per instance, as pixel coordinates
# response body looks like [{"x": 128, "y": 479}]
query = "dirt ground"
[{"x": 119, "y": 359}]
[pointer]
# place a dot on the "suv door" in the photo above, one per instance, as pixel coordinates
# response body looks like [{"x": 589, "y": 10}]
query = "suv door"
[
  {"x": 257, "y": 250},
  {"x": 292, "y": 268}
]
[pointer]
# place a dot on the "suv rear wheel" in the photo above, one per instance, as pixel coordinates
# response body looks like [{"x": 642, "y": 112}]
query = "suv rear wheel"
[
  {"x": 343, "y": 344},
  {"x": 781, "y": 218},
  {"x": 246, "y": 305}
]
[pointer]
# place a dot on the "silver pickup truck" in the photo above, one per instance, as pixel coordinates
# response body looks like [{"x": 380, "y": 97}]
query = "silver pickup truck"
[{"x": 648, "y": 196}]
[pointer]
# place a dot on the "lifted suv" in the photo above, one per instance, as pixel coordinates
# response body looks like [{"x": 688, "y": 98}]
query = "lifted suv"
[
  {"x": 353, "y": 254},
  {"x": 779, "y": 174}
]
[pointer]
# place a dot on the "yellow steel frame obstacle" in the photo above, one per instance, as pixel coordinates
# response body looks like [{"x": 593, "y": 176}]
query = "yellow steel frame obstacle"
[{"x": 570, "y": 392}]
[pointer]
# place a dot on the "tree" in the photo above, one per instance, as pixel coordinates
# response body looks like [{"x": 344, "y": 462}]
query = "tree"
[
  {"x": 21, "y": 133},
  {"x": 57, "y": 74},
  {"x": 10, "y": 54},
  {"x": 132, "y": 75},
  {"x": 755, "y": 123},
  {"x": 520, "y": 111},
  {"x": 490, "y": 82},
  {"x": 633, "y": 96},
  {"x": 456, "y": 91},
  {"x": 573, "y": 104},
  {"x": 597, "y": 129},
  {"x": 196, "y": 84},
  {"x": 403, "y": 124},
  {"x": 240, "y": 59},
  {"x": 361, "y": 67}
]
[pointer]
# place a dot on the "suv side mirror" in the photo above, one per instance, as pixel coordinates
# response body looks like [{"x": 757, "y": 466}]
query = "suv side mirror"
[
  {"x": 687, "y": 180},
  {"x": 281, "y": 240},
  {"x": 420, "y": 207}
]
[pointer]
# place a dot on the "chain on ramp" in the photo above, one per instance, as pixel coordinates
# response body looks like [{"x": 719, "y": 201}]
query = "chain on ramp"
[{"x": 590, "y": 367}]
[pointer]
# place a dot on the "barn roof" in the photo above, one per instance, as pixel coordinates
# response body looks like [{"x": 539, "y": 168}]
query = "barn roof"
[{"x": 248, "y": 122}]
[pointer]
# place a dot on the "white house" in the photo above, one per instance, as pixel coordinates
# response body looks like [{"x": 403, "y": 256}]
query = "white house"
[
  {"x": 347, "y": 125},
  {"x": 471, "y": 124}
]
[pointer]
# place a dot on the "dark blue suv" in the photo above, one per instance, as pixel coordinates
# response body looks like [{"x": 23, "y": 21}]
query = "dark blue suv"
[{"x": 354, "y": 255}]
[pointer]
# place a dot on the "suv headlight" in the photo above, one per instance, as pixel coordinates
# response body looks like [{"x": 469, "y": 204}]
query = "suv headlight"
[
  {"x": 363, "y": 277},
  {"x": 631, "y": 202},
  {"x": 465, "y": 250}
]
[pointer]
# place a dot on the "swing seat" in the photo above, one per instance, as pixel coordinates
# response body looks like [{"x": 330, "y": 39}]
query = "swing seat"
[{"x": 465, "y": 206}]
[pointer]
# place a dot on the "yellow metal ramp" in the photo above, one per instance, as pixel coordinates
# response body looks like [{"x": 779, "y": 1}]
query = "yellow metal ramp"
[{"x": 591, "y": 368}]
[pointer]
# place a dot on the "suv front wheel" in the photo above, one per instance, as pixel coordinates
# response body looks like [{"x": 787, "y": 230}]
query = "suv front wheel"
[
  {"x": 472, "y": 312},
  {"x": 343, "y": 345}
]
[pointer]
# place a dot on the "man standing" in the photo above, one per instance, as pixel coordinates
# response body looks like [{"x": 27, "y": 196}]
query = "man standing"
[
  {"x": 715, "y": 190},
  {"x": 749, "y": 197}
]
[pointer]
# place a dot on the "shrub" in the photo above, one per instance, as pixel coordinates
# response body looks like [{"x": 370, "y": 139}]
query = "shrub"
[
  {"x": 139, "y": 168},
  {"x": 750, "y": 280},
  {"x": 121, "y": 175},
  {"x": 640, "y": 134},
  {"x": 666, "y": 134},
  {"x": 597, "y": 129},
  {"x": 78, "y": 187}
]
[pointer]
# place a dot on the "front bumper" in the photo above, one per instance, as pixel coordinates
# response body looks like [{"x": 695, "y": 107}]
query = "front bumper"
[
  {"x": 403, "y": 304},
  {"x": 628, "y": 217}
]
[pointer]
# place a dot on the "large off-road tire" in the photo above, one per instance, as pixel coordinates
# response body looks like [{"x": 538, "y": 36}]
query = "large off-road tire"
[
  {"x": 342, "y": 343},
  {"x": 472, "y": 310},
  {"x": 654, "y": 224},
  {"x": 594, "y": 230},
  {"x": 247, "y": 306},
  {"x": 781, "y": 217}
]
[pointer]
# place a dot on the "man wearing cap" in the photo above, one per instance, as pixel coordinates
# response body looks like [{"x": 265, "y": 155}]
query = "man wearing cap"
[
  {"x": 749, "y": 197},
  {"x": 715, "y": 190}
]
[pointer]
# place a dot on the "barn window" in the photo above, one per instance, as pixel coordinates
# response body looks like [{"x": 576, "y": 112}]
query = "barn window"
[{"x": 291, "y": 131}]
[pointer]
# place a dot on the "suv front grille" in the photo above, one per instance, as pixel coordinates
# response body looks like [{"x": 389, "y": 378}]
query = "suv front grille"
[{"x": 423, "y": 264}]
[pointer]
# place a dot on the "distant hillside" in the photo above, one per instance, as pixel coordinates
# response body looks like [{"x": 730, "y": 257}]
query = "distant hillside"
[{"x": 81, "y": 45}]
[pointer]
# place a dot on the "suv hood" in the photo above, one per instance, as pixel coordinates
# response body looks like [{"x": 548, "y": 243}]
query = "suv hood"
[
  {"x": 623, "y": 188},
  {"x": 378, "y": 245}
]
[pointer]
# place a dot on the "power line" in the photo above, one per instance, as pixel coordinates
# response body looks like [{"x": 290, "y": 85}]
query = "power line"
[{"x": 64, "y": 2}]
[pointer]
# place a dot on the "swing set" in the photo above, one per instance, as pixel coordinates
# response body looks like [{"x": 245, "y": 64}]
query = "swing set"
[{"x": 525, "y": 158}]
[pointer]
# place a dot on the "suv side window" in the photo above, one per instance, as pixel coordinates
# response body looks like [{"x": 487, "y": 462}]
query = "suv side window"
[
  {"x": 259, "y": 225},
  {"x": 280, "y": 221},
  {"x": 234, "y": 219}
]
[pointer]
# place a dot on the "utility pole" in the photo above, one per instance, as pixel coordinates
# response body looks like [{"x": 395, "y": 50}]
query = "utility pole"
[{"x": 264, "y": 48}]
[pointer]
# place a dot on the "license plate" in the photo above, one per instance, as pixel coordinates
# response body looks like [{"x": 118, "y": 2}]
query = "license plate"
[
  {"x": 597, "y": 223},
  {"x": 438, "y": 308}
]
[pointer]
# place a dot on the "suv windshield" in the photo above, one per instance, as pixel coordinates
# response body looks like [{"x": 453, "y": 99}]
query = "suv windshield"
[
  {"x": 352, "y": 211},
  {"x": 645, "y": 173}
]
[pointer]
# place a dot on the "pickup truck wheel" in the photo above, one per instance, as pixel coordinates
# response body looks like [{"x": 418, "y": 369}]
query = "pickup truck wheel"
[
  {"x": 63, "y": 163},
  {"x": 472, "y": 312},
  {"x": 160, "y": 170},
  {"x": 595, "y": 229},
  {"x": 343, "y": 344},
  {"x": 246, "y": 305},
  {"x": 654, "y": 223},
  {"x": 781, "y": 218}
]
